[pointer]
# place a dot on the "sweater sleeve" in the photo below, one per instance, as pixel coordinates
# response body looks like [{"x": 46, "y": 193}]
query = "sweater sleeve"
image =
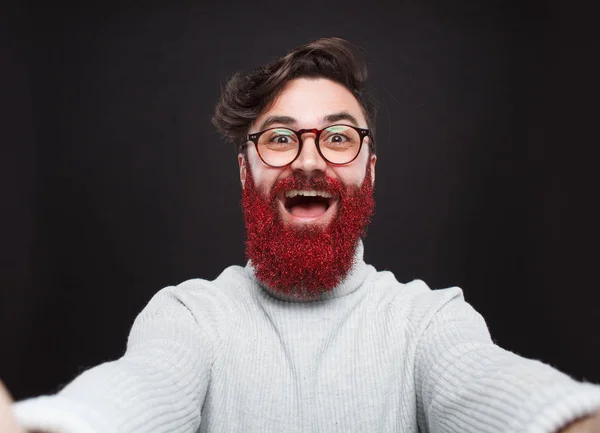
[
  {"x": 465, "y": 383},
  {"x": 157, "y": 386}
]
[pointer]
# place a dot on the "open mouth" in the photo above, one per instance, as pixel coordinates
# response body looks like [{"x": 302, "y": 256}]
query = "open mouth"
[{"x": 307, "y": 204}]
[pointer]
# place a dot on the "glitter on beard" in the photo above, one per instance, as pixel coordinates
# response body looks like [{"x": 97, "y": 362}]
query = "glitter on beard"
[{"x": 310, "y": 260}]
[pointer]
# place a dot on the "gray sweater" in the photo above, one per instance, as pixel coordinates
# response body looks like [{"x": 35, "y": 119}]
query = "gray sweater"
[{"x": 374, "y": 355}]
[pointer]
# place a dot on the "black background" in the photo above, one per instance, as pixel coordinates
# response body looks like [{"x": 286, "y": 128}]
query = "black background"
[{"x": 114, "y": 184}]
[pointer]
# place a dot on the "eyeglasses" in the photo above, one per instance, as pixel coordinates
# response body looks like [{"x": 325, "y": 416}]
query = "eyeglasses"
[{"x": 337, "y": 144}]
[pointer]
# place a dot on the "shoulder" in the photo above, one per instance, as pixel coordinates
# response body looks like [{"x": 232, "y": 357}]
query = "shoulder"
[
  {"x": 198, "y": 307},
  {"x": 199, "y": 300},
  {"x": 414, "y": 301},
  {"x": 200, "y": 294},
  {"x": 414, "y": 294}
]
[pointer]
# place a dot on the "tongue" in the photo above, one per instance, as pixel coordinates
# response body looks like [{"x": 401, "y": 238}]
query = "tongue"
[{"x": 308, "y": 210}]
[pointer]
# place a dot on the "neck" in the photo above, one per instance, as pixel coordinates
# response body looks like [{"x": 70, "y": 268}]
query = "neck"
[{"x": 348, "y": 285}]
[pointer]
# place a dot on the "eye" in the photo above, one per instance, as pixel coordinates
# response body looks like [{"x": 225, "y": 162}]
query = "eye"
[
  {"x": 280, "y": 139},
  {"x": 339, "y": 135},
  {"x": 337, "y": 138}
]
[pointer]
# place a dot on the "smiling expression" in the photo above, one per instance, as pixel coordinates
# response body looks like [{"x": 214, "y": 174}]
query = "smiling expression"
[{"x": 305, "y": 104}]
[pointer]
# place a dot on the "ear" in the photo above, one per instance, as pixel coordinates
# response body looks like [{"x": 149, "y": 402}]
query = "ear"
[
  {"x": 372, "y": 161},
  {"x": 242, "y": 164}
]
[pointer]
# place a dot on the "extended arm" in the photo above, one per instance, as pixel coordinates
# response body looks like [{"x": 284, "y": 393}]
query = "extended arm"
[
  {"x": 157, "y": 386},
  {"x": 465, "y": 383}
]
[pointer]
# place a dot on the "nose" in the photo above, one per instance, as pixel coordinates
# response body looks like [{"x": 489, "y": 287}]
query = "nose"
[{"x": 309, "y": 161}]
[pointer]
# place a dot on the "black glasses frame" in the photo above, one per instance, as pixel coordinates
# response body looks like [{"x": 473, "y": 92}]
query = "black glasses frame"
[{"x": 361, "y": 131}]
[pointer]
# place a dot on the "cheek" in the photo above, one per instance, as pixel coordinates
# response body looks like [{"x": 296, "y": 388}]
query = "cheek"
[
  {"x": 353, "y": 174},
  {"x": 355, "y": 179},
  {"x": 264, "y": 177}
]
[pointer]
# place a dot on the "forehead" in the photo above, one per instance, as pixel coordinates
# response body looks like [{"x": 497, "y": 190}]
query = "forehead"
[{"x": 310, "y": 100}]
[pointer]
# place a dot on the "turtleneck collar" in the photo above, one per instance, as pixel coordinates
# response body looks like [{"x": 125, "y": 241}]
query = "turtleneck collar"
[{"x": 349, "y": 284}]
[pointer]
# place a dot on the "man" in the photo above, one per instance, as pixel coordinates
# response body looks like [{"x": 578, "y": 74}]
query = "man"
[{"x": 307, "y": 337}]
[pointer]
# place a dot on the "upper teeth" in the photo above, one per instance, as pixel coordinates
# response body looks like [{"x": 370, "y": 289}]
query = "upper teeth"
[{"x": 295, "y": 192}]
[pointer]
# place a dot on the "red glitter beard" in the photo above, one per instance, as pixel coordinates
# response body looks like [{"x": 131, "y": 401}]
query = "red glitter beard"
[{"x": 308, "y": 261}]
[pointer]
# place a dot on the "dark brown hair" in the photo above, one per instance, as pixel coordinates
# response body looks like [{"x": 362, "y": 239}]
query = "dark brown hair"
[{"x": 246, "y": 97}]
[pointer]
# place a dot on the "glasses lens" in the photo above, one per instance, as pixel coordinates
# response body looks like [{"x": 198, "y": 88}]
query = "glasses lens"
[
  {"x": 278, "y": 146},
  {"x": 339, "y": 143}
]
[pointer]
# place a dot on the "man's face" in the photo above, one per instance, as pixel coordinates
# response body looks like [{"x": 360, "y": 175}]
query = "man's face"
[
  {"x": 299, "y": 243},
  {"x": 310, "y": 103}
]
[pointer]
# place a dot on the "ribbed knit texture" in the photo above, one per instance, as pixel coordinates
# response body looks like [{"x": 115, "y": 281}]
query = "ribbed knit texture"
[{"x": 374, "y": 355}]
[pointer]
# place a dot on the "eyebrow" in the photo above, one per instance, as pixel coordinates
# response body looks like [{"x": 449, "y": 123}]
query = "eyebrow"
[
  {"x": 290, "y": 121},
  {"x": 342, "y": 115},
  {"x": 284, "y": 120}
]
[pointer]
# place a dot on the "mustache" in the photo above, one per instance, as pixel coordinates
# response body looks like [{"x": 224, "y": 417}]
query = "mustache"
[{"x": 299, "y": 181}]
